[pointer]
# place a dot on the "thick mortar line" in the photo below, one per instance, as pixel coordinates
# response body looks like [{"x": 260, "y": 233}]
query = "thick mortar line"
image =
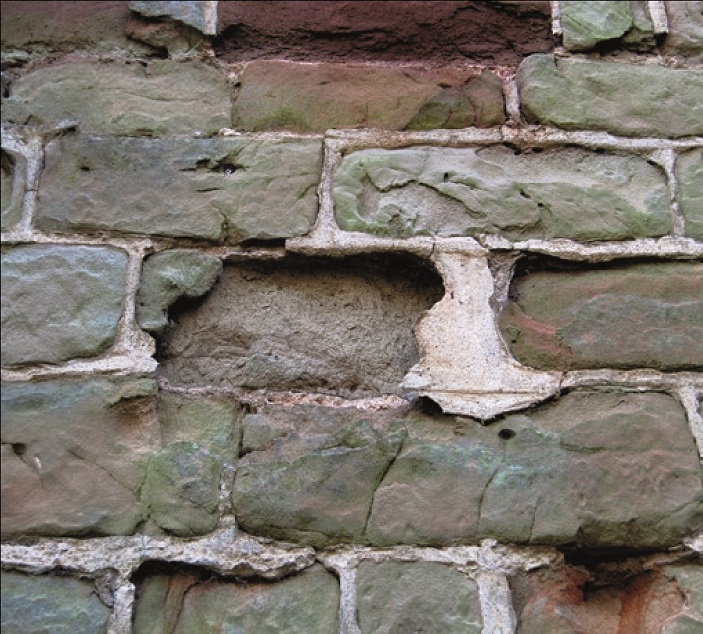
[
  {"x": 121, "y": 618},
  {"x": 657, "y": 12},
  {"x": 689, "y": 399},
  {"x": 512, "y": 100},
  {"x": 667, "y": 159},
  {"x": 556, "y": 17},
  {"x": 496, "y": 603}
]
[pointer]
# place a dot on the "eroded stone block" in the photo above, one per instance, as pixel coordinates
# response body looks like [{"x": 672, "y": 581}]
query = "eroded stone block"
[
  {"x": 689, "y": 170},
  {"x": 685, "y": 35}
]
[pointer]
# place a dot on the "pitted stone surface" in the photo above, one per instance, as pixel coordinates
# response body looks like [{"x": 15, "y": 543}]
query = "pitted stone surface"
[
  {"x": 161, "y": 98},
  {"x": 59, "y": 605},
  {"x": 622, "y": 316},
  {"x": 196, "y": 188},
  {"x": 315, "y": 97},
  {"x": 193, "y": 603},
  {"x": 562, "y": 193},
  {"x": 416, "y": 597},
  {"x": 304, "y": 324},
  {"x": 83, "y": 477},
  {"x": 626, "y": 99},
  {"x": 60, "y": 302},
  {"x": 689, "y": 169}
]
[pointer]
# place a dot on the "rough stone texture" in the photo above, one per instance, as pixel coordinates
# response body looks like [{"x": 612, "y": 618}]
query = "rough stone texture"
[
  {"x": 59, "y": 605},
  {"x": 573, "y": 599},
  {"x": 689, "y": 171},
  {"x": 594, "y": 469},
  {"x": 416, "y": 597},
  {"x": 194, "y": 603},
  {"x": 83, "y": 477},
  {"x": 627, "y": 99},
  {"x": 60, "y": 302},
  {"x": 169, "y": 275},
  {"x": 67, "y": 26},
  {"x": 498, "y": 32},
  {"x": 304, "y": 324},
  {"x": 564, "y": 193},
  {"x": 685, "y": 35},
  {"x": 308, "y": 473},
  {"x": 160, "y": 98},
  {"x": 12, "y": 188},
  {"x": 315, "y": 97},
  {"x": 190, "y": 13},
  {"x": 586, "y": 24},
  {"x": 181, "y": 489},
  {"x": 622, "y": 316},
  {"x": 173, "y": 39},
  {"x": 211, "y": 189}
]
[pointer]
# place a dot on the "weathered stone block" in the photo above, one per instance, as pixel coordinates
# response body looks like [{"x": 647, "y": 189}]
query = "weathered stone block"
[
  {"x": 192, "y": 603},
  {"x": 60, "y": 302},
  {"x": 627, "y": 99},
  {"x": 193, "y": 14},
  {"x": 212, "y": 189},
  {"x": 564, "y": 193},
  {"x": 304, "y": 324},
  {"x": 315, "y": 97},
  {"x": 74, "y": 455},
  {"x": 163, "y": 98},
  {"x": 586, "y": 24},
  {"x": 168, "y": 276},
  {"x": 626, "y": 316},
  {"x": 689, "y": 170},
  {"x": 12, "y": 188},
  {"x": 416, "y": 597},
  {"x": 54, "y": 604},
  {"x": 685, "y": 35}
]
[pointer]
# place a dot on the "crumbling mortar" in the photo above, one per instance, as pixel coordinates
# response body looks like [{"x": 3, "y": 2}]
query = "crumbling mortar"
[{"x": 667, "y": 159}]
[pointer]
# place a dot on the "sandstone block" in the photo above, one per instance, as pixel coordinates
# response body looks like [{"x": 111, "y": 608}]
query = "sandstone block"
[
  {"x": 564, "y": 193},
  {"x": 315, "y": 97},
  {"x": 163, "y": 98},
  {"x": 193, "y": 602},
  {"x": 212, "y": 189},
  {"x": 60, "y": 302},
  {"x": 74, "y": 455},
  {"x": 190, "y": 13},
  {"x": 51, "y": 604},
  {"x": 416, "y": 597},
  {"x": 685, "y": 35},
  {"x": 626, "y": 316},
  {"x": 689, "y": 170},
  {"x": 624, "y": 99}
]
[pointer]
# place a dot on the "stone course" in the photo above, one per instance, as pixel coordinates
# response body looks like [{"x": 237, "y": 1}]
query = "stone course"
[{"x": 352, "y": 317}]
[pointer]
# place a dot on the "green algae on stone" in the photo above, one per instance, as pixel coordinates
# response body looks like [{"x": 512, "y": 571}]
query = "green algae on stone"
[
  {"x": 416, "y": 597},
  {"x": 196, "y": 603},
  {"x": 228, "y": 189},
  {"x": 560, "y": 193},
  {"x": 630, "y": 316},
  {"x": 625, "y": 99},
  {"x": 60, "y": 302},
  {"x": 74, "y": 455},
  {"x": 60, "y": 605},
  {"x": 689, "y": 171},
  {"x": 168, "y": 276}
]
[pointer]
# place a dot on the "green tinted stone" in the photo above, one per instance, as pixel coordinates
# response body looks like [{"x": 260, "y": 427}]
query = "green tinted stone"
[{"x": 689, "y": 170}]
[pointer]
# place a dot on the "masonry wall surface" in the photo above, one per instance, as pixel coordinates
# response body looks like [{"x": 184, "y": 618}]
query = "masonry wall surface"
[{"x": 352, "y": 316}]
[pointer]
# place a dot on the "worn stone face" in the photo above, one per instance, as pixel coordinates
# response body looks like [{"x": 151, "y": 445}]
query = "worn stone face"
[
  {"x": 51, "y": 604},
  {"x": 304, "y": 324},
  {"x": 169, "y": 275},
  {"x": 622, "y": 316},
  {"x": 163, "y": 98},
  {"x": 586, "y": 24},
  {"x": 594, "y": 470},
  {"x": 626, "y": 99},
  {"x": 197, "y": 188},
  {"x": 60, "y": 302},
  {"x": 12, "y": 188},
  {"x": 689, "y": 171},
  {"x": 565, "y": 193},
  {"x": 83, "y": 477},
  {"x": 416, "y": 597},
  {"x": 190, "y": 13},
  {"x": 192, "y": 603},
  {"x": 685, "y": 35},
  {"x": 571, "y": 599},
  {"x": 436, "y": 32},
  {"x": 315, "y": 97}
]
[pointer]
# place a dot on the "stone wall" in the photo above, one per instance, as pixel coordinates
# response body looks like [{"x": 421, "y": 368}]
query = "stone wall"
[{"x": 352, "y": 317}]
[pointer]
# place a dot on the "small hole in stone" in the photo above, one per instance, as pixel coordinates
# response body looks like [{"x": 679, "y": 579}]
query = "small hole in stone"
[
  {"x": 506, "y": 434},
  {"x": 19, "y": 448},
  {"x": 446, "y": 177},
  {"x": 229, "y": 169},
  {"x": 600, "y": 150}
]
